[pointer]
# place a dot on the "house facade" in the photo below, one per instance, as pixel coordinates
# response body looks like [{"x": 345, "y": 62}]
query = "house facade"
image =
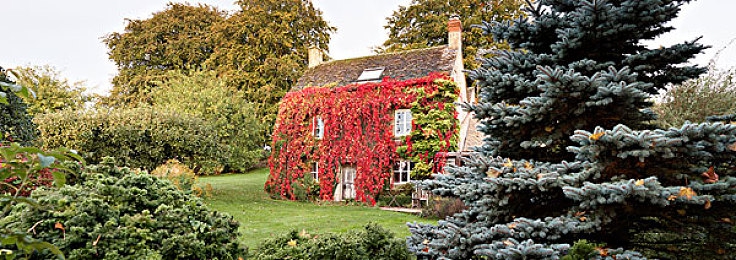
[{"x": 351, "y": 128}]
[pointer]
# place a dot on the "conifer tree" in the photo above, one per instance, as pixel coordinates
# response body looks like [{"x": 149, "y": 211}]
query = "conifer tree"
[{"x": 569, "y": 153}]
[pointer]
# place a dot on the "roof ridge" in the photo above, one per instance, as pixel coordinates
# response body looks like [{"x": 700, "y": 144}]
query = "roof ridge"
[{"x": 384, "y": 54}]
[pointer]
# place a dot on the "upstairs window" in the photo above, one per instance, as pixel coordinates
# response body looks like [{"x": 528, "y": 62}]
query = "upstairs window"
[
  {"x": 402, "y": 122},
  {"x": 402, "y": 172},
  {"x": 318, "y": 127},
  {"x": 370, "y": 75}
]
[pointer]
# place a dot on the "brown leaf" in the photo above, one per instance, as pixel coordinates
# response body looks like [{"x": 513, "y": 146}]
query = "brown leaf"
[
  {"x": 583, "y": 218},
  {"x": 732, "y": 147},
  {"x": 726, "y": 220},
  {"x": 58, "y": 225},
  {"x": 508, "y": 243},
  {"x": 682, "y": 212},
  {"x": 579, "y": 213},
  {"x": 492, "y": 173},
  {"x": 710, "y": 175},
  {"x": 707, "y": 204},
  {"x": 639, "y": 182},
  {"x": 512, "y": 225},
  {"x": 602, "y": 251},
  {"x": 508, "y": 163},
  {"x": 528, "y": 166}
]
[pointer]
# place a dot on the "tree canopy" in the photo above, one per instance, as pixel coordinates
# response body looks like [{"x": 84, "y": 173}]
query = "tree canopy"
[
  {"x": 261, "y": 48},
  {"x": 424, "y": 24},
  {"x": 53, "y": 93}
]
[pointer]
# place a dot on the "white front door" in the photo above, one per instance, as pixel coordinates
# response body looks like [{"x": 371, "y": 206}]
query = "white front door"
[{"x": 348, "y": 183}]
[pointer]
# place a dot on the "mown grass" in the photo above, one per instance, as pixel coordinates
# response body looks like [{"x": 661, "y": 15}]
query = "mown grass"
[{"x": 260, "y": 217}]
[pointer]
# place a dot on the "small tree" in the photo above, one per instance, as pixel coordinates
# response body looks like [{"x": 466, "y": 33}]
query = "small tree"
[
  {"x": 558, "y": 163},
  {"x": 53, "y": 93}
]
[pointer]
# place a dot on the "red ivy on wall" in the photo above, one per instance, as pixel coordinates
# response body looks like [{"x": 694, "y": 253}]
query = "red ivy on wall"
[{"x": 358, "y": 131}]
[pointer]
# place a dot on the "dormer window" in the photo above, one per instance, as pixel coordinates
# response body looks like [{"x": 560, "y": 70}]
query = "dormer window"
[
  {"x": 318, "y": 127},
  {"x": 402, "y": 122},
  {"x": 370, "y": 75}
]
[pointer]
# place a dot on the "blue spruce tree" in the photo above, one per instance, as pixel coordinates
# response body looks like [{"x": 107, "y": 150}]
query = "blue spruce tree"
[{"x": 569, "y": 153}]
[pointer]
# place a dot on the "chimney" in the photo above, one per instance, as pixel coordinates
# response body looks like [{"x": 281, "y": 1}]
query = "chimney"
[
  {"x": 315, "y": 56},
  {"x": 455, "y": 33}
]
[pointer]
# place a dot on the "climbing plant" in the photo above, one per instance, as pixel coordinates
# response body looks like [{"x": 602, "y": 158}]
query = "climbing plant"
[{"x": 358, "y": 131}]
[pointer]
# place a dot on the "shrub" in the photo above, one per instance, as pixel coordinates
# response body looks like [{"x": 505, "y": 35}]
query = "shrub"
[
  {"x": 204, "y": 95},
  {"x": 696, "y": 99},
  {"x": 137, "y": 138},
  {"x": 372, "y": 242},
  {"x": 114, "y": 213},
  {"x": 182, "y": 177},
  {"x": 15, "y": 123}
]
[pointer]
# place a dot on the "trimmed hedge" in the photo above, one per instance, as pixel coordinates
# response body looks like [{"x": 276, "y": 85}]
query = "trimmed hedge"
[
  {"x": 114, "y": 213},
  {"x": 137, "y": 137}
]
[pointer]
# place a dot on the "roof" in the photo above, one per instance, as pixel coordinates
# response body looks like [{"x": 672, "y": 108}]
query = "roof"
[{"x": 398, "y": 66}]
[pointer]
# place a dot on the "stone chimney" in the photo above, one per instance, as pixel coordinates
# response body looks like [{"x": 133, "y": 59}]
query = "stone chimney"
[
  {"x": 315, "y": 56},
  {"x": 455, "y": 33}
]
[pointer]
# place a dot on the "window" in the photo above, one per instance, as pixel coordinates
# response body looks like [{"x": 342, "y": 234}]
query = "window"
[
  {"x": 315, "y": 171},
  {"x": 402, "y": 172},
  {"x": 318, "y": 128},
  {"x": 370, "y": 75},
  {"x": 402, "y": 122}
]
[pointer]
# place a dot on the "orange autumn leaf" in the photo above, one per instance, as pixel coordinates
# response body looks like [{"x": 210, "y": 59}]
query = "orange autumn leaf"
[
  {"x": 492, "y": 173},
  {"x": 707, "y": 204},
  {"x": 508, "y": 243},
  {"x": 732, "y": 147},
  {"x": 579, "y": 213},
  {"x": 512, "y": 225},
  {"x": 528, "y": 166},
  {"x": 639, "y": 182},
  {"x": 583, "y": 219},
  {"x": 596, "y": 136},
  {"x": 508, "y": 163},
  {"x": 58, "y": 225},
  {"x": 602, "y": 251},
  {"x": 687, "y": 192}
]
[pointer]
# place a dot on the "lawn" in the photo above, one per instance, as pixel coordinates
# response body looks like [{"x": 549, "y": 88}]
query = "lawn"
[{"x": 260, "y": 217}]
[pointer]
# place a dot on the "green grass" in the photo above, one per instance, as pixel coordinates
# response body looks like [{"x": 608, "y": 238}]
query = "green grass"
[{"x": 260, "y": 217}]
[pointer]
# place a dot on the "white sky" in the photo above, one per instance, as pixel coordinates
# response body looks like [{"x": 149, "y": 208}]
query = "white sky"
[{"x": 67, "y": 34}]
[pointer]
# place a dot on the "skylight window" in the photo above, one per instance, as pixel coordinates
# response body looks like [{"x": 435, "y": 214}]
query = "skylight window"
[{"x": 370, "y": 75}]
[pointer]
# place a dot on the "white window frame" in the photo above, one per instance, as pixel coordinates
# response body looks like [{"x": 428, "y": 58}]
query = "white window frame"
[
  {"x": 370, "y": 75},
  {"x": 402, "y": 172},
  {"x": 318, "y": 127},
  {"x": 402, "y": 122},
  {"x": 315, "y": 171}
]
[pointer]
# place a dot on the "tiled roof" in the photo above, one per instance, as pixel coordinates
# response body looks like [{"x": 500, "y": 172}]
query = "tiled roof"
[{"x": 399, "y": 66}]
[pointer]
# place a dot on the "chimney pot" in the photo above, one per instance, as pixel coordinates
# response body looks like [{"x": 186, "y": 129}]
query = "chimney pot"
[{"x": 454, "y": 33}]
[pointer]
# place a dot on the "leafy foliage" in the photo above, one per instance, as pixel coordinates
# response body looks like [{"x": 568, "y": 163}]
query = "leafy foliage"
[
  {"x": 203, "y": 95},
  {"x": 372, "y": 242},
  {"x": 15, "y": 123},
  {"x": 177, "y": 38},
  {"x": 577, "y": 73},
  {"x": 358, "y": 130},
  {"x": 138, "y": 137},
  {"x": 696, "y": 99},
  {"x": 113, "y": 213},
  {"x": 23, "y": 165},
  {"x": 53, "y": 93},
  {"x": 261, "y": 49},
  {"x": 423, "y": 24}
]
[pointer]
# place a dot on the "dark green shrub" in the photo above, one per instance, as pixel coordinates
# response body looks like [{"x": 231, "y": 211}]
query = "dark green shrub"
[
  {"x": 113, "y": 213},
  {"x": 137, "y": 138},
  {"x": 15, "y": 123},
  {"x": 372, "y": 242}
]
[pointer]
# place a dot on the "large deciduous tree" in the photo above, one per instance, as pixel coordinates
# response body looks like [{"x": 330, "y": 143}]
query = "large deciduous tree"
[
  {"x": 179, "y": 37},
  {"x": 53, "y": 93},
  {"x": 569, "y": 154},
  {"x": 424, "y": 24},
  {"x": 262, "y": 48}
]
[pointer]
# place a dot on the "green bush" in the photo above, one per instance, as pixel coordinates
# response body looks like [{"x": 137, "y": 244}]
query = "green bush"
[
  {"x": 137, "y": 138},
  {"x": 15, "y": 123},
  {"x": 204, "y": 95},
  {"x": 113, "y": 213},
  {"x": 696, "y": 99},
  {"x": 372, "y": 242}
]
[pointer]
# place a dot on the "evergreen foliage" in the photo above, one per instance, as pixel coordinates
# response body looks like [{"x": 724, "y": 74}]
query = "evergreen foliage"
[
  {"x": 569, "y": 153},
  {"x": 15, "y": 123},
  {"x": 113, "y": 213}
]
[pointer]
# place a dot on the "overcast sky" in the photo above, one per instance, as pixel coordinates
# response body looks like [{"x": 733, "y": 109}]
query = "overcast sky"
[{"x": 67, "y": 34}]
